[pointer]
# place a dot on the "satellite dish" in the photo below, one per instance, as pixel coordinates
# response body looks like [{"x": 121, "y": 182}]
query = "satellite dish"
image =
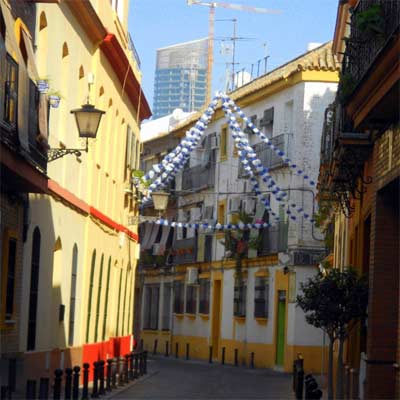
[{"x": 283, "y": 258}]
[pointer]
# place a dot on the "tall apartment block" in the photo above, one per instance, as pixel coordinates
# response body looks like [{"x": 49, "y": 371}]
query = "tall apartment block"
[{"x": 181, "y": 77}]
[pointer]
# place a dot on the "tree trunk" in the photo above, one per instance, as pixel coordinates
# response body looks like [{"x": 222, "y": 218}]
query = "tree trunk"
[
  {"x": 330, "y": 369},
  {"x": 339, "y": 372}
]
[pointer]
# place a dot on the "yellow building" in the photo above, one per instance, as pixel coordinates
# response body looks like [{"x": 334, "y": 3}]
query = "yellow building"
[{"x": 79, "y": 256}]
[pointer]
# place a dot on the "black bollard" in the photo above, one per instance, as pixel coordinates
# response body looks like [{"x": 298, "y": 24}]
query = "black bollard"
[
  {"x": 108, "y": 374},
  {"x": 136, "y": 372},
  {"x": 187, "y": 351},
  {"x": 300, "y": 381},
  {"x": 155, "y": 346},
  {"x": 141, "y": 344},
  {"x": 85, "y": 388},
  {"x": 131, "y": 374},
  {"x": 121, "y": 371},
  {"x": 75, "y": 382},
  {"x": 12, "y": 374},
  {"x": 176, "y": 350},
  {"x": 114, "y": 365},
  {"x": 95, "y": 391},
  {"x": 236, "y": 357},
  {"x": 126, "y": 368},
  {"x": 44, "y": 384},
  {"x": 223, "y": 356},
  {"x": 145, "y": 362},
  {"x": 101, "y": 377},
  {"x": 210, "y": 354},
  {"x": 30, "y": 389},
  {"x": 57, "y": 384},
  {"x": 252, "y": 360},
  {"x": 166, "y": 349},
  {"x": 68, "y": 384},
  {"x": 141, "y": 363}
]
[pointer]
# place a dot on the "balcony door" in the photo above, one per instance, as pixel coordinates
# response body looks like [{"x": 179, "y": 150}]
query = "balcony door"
[{"x": 216, "y": 317}]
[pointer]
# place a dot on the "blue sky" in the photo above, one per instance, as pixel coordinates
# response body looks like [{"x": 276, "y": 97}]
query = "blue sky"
[{"x": 158, "y": 23}]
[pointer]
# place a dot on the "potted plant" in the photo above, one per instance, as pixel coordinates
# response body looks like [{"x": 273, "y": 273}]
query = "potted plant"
[
  {"x": 54, "y": 99},
  {"x": 43, "y": 85},
  {"x": 371, "y": 21}
]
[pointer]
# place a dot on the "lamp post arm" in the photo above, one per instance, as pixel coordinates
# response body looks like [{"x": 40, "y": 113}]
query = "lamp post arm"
[{"x": 56, "y": 153}]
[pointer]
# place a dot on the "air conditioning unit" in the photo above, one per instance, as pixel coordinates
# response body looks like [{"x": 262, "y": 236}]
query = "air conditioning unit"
[{"x": 192, "y": 275}]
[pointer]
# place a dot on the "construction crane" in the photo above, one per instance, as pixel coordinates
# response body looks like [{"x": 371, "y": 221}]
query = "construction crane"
[{"x": 212, "y": 5}]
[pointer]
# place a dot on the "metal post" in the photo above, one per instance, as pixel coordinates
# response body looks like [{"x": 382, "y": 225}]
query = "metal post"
[
  {"x": 252, "y": 360},
  {"x": 126, "y": 368},
  {"x": 75, "y": 383},
  {"x": 68, "y": 383},
  {"x": 131, "y": 374},
  {"x": 166, "y": 349},
  {"x": 136, "y": 372},
  {"x": 210, "y": 354},
  {"x": 57, "y": 384},
  {"x": 85, "y": 389},
  {"x": 108, "y": 374},
  {"x": 236, "y": 357},
  {"x": 30, "y": 389},
  {"x": 145, "y": 362},
  {"x": 114, "y": 373},
  {"x": 300, "y": 382},
  {"x": 155, "y": 346},
  {"x": 141, "y": 363},
  {"x": 176, "y": 350},
  {"x": 223, "y": 356},
  {"x": 95, "y": 392},
  {"x": 12, "y": 374},
  {"x": 187, "y": 351},
  {"x": 141, "y": 344},
  {"x": 101, "y": 377},
  {"x": 121, "y": 371},
  {"x": 44, "y": 384}
]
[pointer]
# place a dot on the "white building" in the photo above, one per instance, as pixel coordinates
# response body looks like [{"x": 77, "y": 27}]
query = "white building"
[{"x": 190, "y": 298}]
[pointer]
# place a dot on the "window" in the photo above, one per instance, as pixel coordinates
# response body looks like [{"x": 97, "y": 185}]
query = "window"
[
  {"x": 100, "y": 280},
  {"x": 178, "y": 297},
  {"x": 166, "y": 315},
  {"x": 119, "y": 301},
  {"x": 261, "y": 296},
  {"x": 11, "y": 91},
  {"x": 224, "y": 143},
  {"x": 89, "y": 309},
  {"x": 106, "y": 299},
  {"x": 151, "y": 303},
  {"x": 33, "y": 292},
  {"x": 9, "y": 266},
  {"x": 239, "y": 300},
  {"x": 191, "y": 299},
  {"x": 204, "y": 307},
  {"x": 72, "y": 297},
  {"x": 267, "y": 121},
  {"x": 127, "y": 274}
]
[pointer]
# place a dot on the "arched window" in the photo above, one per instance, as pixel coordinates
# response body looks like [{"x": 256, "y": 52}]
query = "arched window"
[
  {"x": 98, "y": 298},
  {"x": 65, "y": 51},
  {"x": 42, "y": 21},
  {"x": 119, "y": 301},
  {"x": 81, "y": 72},
  {"x": 90, "y": 295},
  {"x": 34, "y": 290},
  {"x": 101, "y": 91},
  {"x": 72, "y": 297},
  {"x": 106, "y": 299}
]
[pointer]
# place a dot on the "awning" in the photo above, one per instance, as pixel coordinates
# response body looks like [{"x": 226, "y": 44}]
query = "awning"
[
  {"x": 31, "y": 65},
  {"x": 145, "y": 235},
  {"x": 163, "y": 241},
  {"x": 11, "y": 41}
]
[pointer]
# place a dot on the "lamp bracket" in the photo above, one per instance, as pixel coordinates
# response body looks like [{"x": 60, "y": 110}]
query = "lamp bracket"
[{"x": 56, "y": 153}]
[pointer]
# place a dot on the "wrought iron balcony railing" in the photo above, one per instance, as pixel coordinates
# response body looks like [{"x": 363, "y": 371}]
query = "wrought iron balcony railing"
[
  {"x": 373, "y": 23},
  {"x": 274, "y": 239},
  {"x": 132, "y": 48}
]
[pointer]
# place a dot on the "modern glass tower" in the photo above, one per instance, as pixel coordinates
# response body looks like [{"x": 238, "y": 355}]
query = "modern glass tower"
[{"x": 181, "y": 77}]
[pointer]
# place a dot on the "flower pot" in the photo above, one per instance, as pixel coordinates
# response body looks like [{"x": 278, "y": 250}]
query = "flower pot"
[
  {"x": 54, "y": 101},
  {"x": 43, "y": 86}
]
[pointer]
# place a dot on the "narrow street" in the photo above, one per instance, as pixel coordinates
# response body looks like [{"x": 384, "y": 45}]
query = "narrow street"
[{"x": 179, "y": 379}]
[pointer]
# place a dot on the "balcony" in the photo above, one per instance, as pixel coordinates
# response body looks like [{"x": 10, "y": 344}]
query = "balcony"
[
  {"x": 273, "y": 239},
  {"x": 185, "y": 251},
  {"x": 132, "y": 48},
  {"x": 267, "y": 156},
  {"x": 373, "y": 24},
  {"x": 198, "y": 177}
]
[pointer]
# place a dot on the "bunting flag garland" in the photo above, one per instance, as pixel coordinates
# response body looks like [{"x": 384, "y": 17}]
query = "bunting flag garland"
[{"x": 163, "y": 173}]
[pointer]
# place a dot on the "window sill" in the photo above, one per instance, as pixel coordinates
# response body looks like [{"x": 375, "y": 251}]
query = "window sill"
[
  {"x": 240, "y": 320},
  {"x": 165, "y": 332},
  {"x": 150, "y": 331},
  {"x": 261, "y": 320},
  {"x": 179, "y": 316},
  {"x": 190, "y": 316},
  {"x": 206, "y": 317}
]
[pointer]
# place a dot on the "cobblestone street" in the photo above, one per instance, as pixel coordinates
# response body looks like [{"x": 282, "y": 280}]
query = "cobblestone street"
[{"x": 179, "y": 379}]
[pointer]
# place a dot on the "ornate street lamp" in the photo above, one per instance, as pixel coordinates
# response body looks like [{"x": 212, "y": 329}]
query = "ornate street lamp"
[
  {"x": 87, "y": 120},
  {"x": 160, "y": 201}
]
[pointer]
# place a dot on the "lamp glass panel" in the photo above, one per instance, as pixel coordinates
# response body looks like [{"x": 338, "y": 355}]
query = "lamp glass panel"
[
  {"x": 160, "y": 200},
  {"x": 88, "y": 122}
]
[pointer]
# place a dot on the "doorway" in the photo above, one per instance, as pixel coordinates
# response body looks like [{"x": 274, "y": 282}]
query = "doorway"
[
  {"x": 216, "y": 318},
  {"x": 280, "y": 328}
]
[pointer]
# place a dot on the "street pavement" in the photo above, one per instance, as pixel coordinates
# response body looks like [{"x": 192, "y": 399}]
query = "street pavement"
[{"x": 169, "y": 378}]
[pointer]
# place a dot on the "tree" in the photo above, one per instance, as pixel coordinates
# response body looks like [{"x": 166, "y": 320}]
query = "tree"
[{"x": 335, "y": 302}]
